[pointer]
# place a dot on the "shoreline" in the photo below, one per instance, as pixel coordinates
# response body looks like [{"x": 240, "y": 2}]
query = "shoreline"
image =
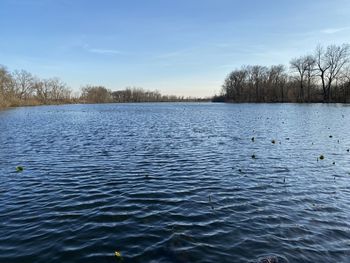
[{"x": 162, "y": 102}]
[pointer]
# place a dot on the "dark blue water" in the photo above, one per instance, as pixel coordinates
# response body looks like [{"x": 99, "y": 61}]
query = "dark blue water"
[{"x": 175, "y": 183}]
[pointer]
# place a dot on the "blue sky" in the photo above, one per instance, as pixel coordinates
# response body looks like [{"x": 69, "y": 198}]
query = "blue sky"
[{"x": 176, "y": 46}]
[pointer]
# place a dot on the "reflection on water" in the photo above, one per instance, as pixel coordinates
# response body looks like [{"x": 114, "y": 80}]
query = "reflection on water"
[{"x": 175, "y": 183}]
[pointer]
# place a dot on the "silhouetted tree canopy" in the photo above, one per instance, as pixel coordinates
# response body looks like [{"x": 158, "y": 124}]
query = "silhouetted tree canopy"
[{"x": 321, "y": 77}]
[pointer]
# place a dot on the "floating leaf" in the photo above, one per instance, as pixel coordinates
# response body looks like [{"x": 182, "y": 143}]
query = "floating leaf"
[
  {"x": 118, "y": 254},
  {"x": 19, "y": 168}
]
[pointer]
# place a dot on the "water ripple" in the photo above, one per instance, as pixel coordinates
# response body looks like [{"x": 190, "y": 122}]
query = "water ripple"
[{"x": 175, "y": 183}]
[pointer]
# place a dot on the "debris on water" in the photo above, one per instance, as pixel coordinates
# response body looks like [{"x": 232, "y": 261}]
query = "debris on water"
[
  {"x": 273, "y": 141},
  {"x": 253, "y": 156},
  {"x": 19, "y": 168},
  {"x": 211, "y": 204},
  {"x": 284, "y": 180},
  {"x": 253, "y": 139},
  {"x": 240, "y": 170},
  {"x": 321, "y": 157},
  {"x": 118, "y": 255},
  {"x": 333, "y": 163},
  {"x": 287, "y": 138},
  {"x": 330, "y": 136},
  {"x": 272, "y": 259},
  {"x": 348, "y": 150}
]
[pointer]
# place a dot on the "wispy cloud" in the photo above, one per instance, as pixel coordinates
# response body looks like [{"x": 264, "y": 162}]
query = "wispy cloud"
[
  {"x": 175, "y": 54},
  {"x": 334, "y": 30},
  {"x": 104, "y": 51}
]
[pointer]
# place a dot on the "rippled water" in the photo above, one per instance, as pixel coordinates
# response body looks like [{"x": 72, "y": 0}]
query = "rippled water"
[{"x": 175, "y": 183}]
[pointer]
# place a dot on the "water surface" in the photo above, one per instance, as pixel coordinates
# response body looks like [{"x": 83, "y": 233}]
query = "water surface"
[{"x": 175, "y": 183}]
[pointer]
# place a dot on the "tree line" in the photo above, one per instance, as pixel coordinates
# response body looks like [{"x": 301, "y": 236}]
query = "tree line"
[
  {"x": 100, "y": 94},
  {"x": 21, "y": 88},
  {"x": 323, "y": 76}
]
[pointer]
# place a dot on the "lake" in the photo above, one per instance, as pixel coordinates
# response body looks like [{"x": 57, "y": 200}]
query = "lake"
[{"x": 175, "y": 182}]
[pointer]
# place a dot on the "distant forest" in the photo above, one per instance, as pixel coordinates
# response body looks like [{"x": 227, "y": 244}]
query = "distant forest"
[
  {"x": 323, "y": 76},
  {"x": 99, "y": 94},
  {"x": 21, "y": 88}
]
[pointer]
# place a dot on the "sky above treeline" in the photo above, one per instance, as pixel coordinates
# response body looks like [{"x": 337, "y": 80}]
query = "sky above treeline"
[{"x": 182, "y": 47}]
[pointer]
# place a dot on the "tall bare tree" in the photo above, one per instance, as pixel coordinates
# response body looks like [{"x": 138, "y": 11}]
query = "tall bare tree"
[
  {"x": 310, "y": 73},
  {"x": 304, "y": 66},
  {"x": 300, "y": 66},
  {"x": 330, "y": 62}
]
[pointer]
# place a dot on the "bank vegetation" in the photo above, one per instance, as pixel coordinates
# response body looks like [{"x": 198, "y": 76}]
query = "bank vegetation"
[
  {"x": 22, "y": 88},
  {"x": 323, "y": 76}
]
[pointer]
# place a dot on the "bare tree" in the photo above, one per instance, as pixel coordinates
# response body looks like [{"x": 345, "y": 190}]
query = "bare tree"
[
  {"x": 329, "y": 63},
  {"x": 300, "y": 66},
  {"x": 304, "y": 66},
  {"x": 6, "y": 87},
  {"x": 258, "y": 77},
  {"x": 58, "y": 90},
  {"x": 95, "y": 94},
  {"x": 344, "y": 79},
  {"x": 23, "y": 83},
  {"x": 276, "y": 82},
  {"x": 310, "y": 73},
  {"x": 234, "y": 84}
]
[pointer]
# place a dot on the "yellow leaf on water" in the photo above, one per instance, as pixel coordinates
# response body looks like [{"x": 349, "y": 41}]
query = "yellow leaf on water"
[{"x": 118, "y": 254}]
